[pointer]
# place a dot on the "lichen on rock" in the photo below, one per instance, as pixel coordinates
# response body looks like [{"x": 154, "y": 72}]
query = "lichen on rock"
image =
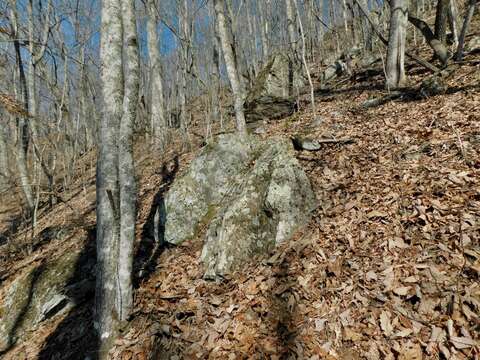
[
  {"x": 34, "y": 296},
  {"x": 252, "y": 194}
]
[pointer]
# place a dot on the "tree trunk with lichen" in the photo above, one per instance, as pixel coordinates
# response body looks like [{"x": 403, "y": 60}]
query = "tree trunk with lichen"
[
  {"x": 116, "y": 188},
  {"x": 158, "y": 121},
  {"x": 232, "y": 70},
  {"x": 395, "y": 68}
]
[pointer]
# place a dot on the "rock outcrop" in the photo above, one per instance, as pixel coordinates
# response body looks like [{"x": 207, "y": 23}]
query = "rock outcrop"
[
  {"x": 251, "y": 194},
  {"x": 39, "y": 293},
  {"x": 211, "y": 177},
  {"x": 271, "y": 96}
]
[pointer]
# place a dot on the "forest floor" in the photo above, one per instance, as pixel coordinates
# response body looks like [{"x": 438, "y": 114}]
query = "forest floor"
[{"x": 387, "y": 268}]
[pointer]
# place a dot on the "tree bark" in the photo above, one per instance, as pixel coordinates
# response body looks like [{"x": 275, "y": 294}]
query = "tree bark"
[
  {"x": 264, "y": 25},
  {"x": 184, "y": 54},
  {"x": 157, "y": 104},
  {"x": 292, "y": 38},
  {"x": 438, "y": 47},
  {"x": 126, "y": 169},
  {"x": 230, "y": 63},
  {"x": 22, "y": 124},
  {"x": 4, "y": 170},
  {"x": 420, "y": 61},
  {"x": 466, "y": 23},
  {"x": 108, "y": 212},
  {"x": 452, "y": 21},
  {"x": 304, "y": 59},
  {"x": 441, "y": 20},
  {"x": 216, "y": 76},
  {"x": 395, "y": 68}
]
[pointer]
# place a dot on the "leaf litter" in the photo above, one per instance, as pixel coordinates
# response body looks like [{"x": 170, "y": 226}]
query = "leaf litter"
[{"x": 388, "y": 267}]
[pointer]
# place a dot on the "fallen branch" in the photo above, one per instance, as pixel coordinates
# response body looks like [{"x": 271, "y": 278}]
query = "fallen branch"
[
  {"x": 382, "y": 100},
  {"x": 301, "y": 143}
]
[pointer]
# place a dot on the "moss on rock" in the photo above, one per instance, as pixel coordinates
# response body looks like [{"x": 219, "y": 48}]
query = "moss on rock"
[
  {"x": 25, "y": 300},
  {"x": 251, "y": 194}
]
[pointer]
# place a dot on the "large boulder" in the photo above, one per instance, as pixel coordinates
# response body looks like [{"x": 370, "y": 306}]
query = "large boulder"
[
  {"x": 275, "y": 200},
  {"x": 40, "y": 292},
  {"x": 208, "y": 181},
  {"x": 251, "y": 194}
]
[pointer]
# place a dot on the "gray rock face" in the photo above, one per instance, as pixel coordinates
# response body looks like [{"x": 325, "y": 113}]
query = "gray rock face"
[
  {"x": 252, "y": 198},
  {"x": 211, "y": 177},
  {"x": 35, "y": 295},
  {"x": 270, "y": 96}
]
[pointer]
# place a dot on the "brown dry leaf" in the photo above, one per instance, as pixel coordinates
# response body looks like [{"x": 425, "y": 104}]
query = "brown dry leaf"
[
  {"x": 376, "y": 214},
  {"x": 389, "y": 280},
  {"x": 403, "y": 333},
  {"x": 371, "y": 276},
  {"x": 411, "y": 352},
  {"x": 350, "y": 334},
  {"x": 320, "y": 324},
  {"x": 463, "y": 342},
  {"x": 402, "y": 291},
  {"x": 410, "y": 279},
  {"x": 397, "y": 243},
  {"x": 385, "y": 323}
]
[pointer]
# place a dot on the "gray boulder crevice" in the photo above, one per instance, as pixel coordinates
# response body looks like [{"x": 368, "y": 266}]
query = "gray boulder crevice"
[{"x": 252, "y": 195}]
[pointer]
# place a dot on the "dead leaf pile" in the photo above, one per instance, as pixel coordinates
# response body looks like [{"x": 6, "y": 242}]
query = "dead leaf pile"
[{"x": 388, "y": 268}]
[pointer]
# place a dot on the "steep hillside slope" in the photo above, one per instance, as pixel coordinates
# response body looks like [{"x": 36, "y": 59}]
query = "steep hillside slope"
[{"x": 389, "y": 266}]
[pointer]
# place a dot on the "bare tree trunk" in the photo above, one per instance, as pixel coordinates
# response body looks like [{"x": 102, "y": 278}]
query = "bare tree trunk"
[
  {"x": 4, "y": 170},
  {"x": 126, "y": 169},
  {"x": 441, "y": 20},
  {"x": 216, "y": 75},
  {"x": 35, "y": 57},
  {"x": 22, "y": 124},
  {"x": 304, "y": 59},
  {"x": 466, "y": 23},
  {"x": 292, "y": 38},
  {"x": 157, "y": 104},
  {"x": 264, "y": 24},
  {"x": 344, "y": 17},
  {"x": 232, "y": 71},
  {"x": 420, "y": 61},
  {"x": 438, "y": 47},
  {"x": 184, "y": 61},
  {"x": 395, "y": 68},
  {"x": 108, "y": 212},
  {"x": 452, "y": 21}
]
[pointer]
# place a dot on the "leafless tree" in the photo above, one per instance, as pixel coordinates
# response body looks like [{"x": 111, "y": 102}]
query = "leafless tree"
[
  {"x": 395, "y": 67},
  {"x": 116, "y": 189},
  {"x": 232, "y": 69},
  {"x": 158, "y": 119}
]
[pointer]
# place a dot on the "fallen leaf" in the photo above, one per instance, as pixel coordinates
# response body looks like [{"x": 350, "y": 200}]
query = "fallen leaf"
[
  {"x": 402, "y": 291},
  {"x": 403, "y": 333},
  {"x": 376, "y": 214},
  {"x": 463, "y": 342},
  {"x": 385, "y": 323}
]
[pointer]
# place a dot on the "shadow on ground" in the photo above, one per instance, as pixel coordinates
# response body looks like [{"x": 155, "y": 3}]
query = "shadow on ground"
[
  {"x": 75, "y": 338},
  {"x": 152, "y": 238}
]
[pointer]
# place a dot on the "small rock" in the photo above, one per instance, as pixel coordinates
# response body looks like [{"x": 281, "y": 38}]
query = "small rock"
[
  {"x": 56, "y": 304},
  {"x": 473, "y": 44}
]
